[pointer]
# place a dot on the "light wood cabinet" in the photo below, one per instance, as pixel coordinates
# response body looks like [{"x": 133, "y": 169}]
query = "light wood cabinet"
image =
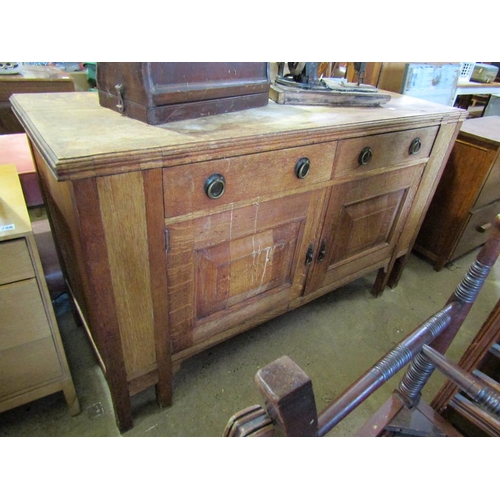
[
  {"x": 32, "y": 359},
  {"x": 467, "y": 199},
  {"x": 177, "y": 237}
]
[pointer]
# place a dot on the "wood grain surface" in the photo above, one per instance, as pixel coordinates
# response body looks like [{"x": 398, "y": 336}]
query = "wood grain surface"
[{"x": 165, "y": 272}]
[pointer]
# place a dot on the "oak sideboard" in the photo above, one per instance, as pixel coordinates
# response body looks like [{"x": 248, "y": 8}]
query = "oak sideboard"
[{"x": 176, "y": 237}]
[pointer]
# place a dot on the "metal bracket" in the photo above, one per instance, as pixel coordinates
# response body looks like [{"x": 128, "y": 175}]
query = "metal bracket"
[{"x": 119, "y": 91}]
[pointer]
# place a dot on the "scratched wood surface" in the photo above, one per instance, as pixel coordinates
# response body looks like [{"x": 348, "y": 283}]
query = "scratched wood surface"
[
  {"x": 165, "y": 272},
  {"x": 73, "y": 131},
  {"x": 225, "y": 268}
]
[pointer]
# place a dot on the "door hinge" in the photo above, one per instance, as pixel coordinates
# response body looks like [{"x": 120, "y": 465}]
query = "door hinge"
[{"x": 167, "y": 241}]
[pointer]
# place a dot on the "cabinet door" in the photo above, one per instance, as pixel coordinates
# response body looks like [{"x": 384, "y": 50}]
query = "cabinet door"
[
  {"x": 363, "y": 221},
  {"x": 230, "y": 270}
]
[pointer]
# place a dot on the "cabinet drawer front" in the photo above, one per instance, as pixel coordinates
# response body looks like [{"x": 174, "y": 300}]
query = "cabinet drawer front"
[
  {"x": 362, "y": 154},
  {"x": 478, "y": 229},
  {"x": 22, "y": 314},
  {"x": 246, "y": 177},
  {"x": 491, "y": 189},
  {"x": 15, "y": 262},
  {"x": 28, "y": 366}
]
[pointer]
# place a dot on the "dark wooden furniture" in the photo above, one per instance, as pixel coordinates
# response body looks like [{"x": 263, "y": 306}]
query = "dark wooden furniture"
[
  {"x": 161, "y": 92},
  {"x": 290, "y": 408},
  {"x": 177, "y": 237},
  {"x": 481, "y": 359},
  {"x": 30, "y": 79},
  {"x": 468, "y": 196}
]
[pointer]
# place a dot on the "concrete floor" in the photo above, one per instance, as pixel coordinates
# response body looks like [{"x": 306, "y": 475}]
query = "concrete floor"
[{"x": 334, "y": 339}]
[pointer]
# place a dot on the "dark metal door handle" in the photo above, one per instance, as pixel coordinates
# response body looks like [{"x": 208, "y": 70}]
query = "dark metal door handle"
[
  {"x": 309, "y": 255},
  {"x": 322, "y": 251}
]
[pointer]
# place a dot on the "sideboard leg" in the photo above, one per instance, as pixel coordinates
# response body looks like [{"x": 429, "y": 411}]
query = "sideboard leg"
[
  {"x": 123, "y": 410},
  {"x": 380, "y": 283},
  {"x": 439, "y": 264},
  {"x": 397, "y": 271},
  {"x": 164, "y": 393}
]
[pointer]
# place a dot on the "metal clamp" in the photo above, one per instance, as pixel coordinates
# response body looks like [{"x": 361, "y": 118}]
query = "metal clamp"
[{"x": 119, "y": 91}]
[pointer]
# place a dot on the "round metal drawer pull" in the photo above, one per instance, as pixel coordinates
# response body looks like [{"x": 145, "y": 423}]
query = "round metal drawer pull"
[
  {"x": 302, "y": 167},
  {"x": 365, "y": 156},
  {"x": 215, "y": 185},
  {"x": 415, "y": 146}
]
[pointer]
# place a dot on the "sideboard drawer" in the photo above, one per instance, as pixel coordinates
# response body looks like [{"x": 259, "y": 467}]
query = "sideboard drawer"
[
  {"x": 362, "y": 154},
  {"x": 16, "y": 262},
  {"x": 188, "y": 188}
]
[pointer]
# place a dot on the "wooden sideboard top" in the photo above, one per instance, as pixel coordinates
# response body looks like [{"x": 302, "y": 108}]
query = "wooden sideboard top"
[
  {"x": 487, "y": 127},
  {"x": 14, "y": 218},
  {"x": 79, "y": 138}
]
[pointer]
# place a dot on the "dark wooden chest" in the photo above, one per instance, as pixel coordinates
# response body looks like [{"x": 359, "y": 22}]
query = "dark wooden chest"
[{"x": 161, "y": 92}]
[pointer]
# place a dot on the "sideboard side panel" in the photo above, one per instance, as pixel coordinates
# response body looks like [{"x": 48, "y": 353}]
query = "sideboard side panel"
[
  {"x": 59, "y": 202},
  {"x": 123, "y": 212}
]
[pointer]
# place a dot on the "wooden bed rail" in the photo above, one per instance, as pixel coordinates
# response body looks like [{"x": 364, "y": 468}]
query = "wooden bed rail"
[{"x": 290, "y": 408}]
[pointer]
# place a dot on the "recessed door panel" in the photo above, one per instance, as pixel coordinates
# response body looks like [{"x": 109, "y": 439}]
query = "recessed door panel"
[
  {"x": 363, "y": 220},
  {"x": 234, "y": 267},
  {"x": 234, "y": 271},
  {"x": 367, "y": 224}
]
